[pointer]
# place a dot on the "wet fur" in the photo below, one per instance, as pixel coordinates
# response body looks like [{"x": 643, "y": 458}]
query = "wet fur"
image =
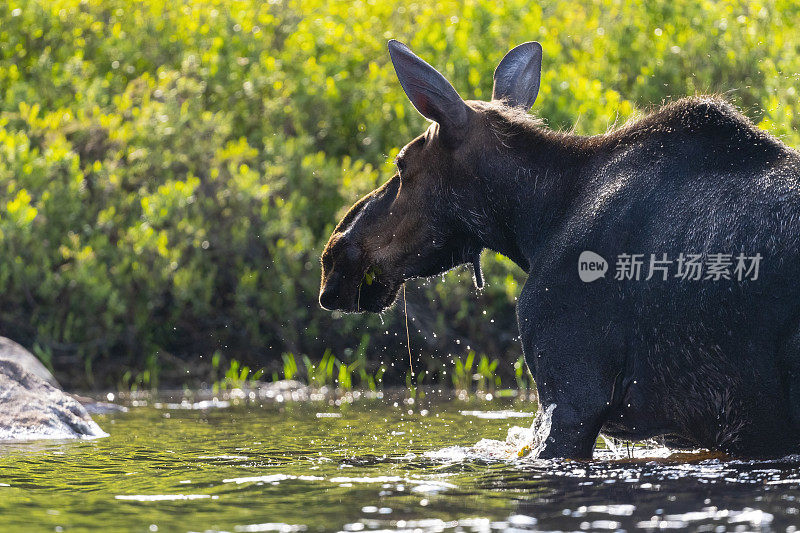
[{"x": 713, "y": 364}]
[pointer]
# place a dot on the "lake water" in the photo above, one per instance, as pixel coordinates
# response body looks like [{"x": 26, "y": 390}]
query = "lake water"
[{"x": 370, "y": 465}]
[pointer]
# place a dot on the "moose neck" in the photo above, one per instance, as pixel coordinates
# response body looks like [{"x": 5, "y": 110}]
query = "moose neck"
[{"x": 529, "y": 186}]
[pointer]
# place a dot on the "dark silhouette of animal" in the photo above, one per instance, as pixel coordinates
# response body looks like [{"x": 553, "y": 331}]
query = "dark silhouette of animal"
[{"x": 709, "y": 360}]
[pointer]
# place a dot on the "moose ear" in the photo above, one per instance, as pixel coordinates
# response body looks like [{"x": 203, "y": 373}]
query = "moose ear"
[
  {"x": 516, "y": 78},
  {"x": 429, "y": 91}
]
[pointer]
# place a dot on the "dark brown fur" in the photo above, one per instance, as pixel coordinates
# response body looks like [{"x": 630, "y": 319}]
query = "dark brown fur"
[{"x": 712, "y": 364}]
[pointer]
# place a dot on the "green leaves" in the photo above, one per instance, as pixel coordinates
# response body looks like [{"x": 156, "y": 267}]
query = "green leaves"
[
  {"x": 170, "y": 173},
  {"x": 370, "y": 275}
]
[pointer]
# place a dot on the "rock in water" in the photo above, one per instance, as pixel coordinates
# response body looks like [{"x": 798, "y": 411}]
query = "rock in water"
[
  {"x": 16, "y": 353},
  {"x": 31, "y": 408}
]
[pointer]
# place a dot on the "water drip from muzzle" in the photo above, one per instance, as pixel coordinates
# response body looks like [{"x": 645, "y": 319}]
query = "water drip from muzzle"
[{"x": 477, "y": 276}]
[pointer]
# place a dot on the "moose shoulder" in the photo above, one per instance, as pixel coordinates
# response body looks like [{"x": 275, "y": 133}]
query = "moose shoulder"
[{"x": 642, "y": 347}]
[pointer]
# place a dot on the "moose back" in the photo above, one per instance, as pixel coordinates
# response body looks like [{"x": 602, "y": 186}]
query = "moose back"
[{"x": 663, "y": 296}]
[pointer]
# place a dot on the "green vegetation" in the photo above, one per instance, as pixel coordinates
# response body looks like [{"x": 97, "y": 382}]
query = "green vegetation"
[
  {"x": 289, "y": 366},
  {"x": 322, "y": 373},
  {"x": 483, "y": 377},
  {"x": 486, "y": 375},
  {"x": 169, "y": 172},
  {"x": 462, "y": 372},
  {"x": 331, "y": 372},
  {"x": 236, "y": 376}
]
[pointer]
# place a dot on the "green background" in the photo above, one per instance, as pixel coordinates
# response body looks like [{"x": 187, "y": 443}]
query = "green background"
[{"x": 169, "y": 172}]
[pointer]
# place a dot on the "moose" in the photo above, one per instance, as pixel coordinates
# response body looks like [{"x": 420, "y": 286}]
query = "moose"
[{"x": 709, "y": 360}]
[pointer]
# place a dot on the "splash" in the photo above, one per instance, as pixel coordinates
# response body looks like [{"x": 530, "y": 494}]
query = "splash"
[
  {"x": 540, "y": 431},
  {"x": 520, "y": 443},
  {"x": 527, "y": 443}
]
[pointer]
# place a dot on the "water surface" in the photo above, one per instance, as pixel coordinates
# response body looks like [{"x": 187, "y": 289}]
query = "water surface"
[{"x": 371, "y": 465}]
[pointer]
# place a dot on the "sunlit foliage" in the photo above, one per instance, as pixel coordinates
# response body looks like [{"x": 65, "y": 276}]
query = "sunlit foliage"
[{"x": 170, "y": 170}]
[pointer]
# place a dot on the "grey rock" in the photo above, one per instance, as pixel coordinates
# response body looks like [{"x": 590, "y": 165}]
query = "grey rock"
[
  {"x": 16, "y": 353},
  {"x": 32, "y": 408}
]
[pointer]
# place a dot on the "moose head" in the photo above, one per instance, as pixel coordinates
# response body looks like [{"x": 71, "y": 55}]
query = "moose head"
[{"x": 434, "y": 213}]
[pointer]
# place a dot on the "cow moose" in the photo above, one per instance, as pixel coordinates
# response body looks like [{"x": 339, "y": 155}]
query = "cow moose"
[{"x": 709, "y": 360}]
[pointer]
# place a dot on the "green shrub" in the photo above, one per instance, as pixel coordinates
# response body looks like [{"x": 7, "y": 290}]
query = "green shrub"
[{"x": 169, "y": 172}]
